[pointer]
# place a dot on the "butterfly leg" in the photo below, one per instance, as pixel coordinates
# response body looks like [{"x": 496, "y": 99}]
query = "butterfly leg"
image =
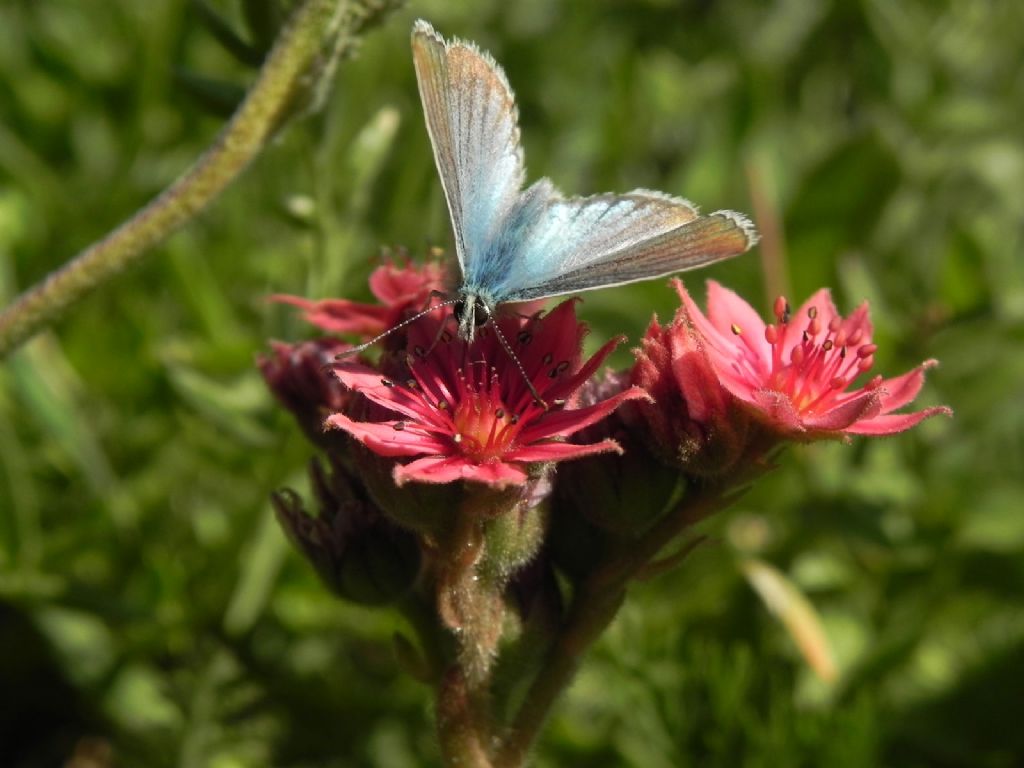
[
  {"x": 522, "y": 371},
  {"x": 442, "y": 329},
  {"x": 435, "y": 294}
]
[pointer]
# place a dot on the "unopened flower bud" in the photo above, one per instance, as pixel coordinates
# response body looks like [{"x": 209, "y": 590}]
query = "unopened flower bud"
[
  {"x": 516, "y": 523},
  {"x": 297, "y": 376},
  {"x": 356, "y": 551},
  {"x": 537, "y": 610}
]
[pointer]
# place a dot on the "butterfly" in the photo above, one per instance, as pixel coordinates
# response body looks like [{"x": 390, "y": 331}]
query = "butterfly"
[{"x": 516, "y": 244}]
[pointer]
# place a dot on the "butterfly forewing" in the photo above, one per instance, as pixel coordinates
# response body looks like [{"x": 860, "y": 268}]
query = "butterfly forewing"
[{"x": 472, "y": 122}]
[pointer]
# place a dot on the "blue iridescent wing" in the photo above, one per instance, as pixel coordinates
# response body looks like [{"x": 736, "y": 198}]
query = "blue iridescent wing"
[
  {"x": 584, "y": 243},
  {"x": 473, "y": 125},
  {"x": 514, "y": 246}
]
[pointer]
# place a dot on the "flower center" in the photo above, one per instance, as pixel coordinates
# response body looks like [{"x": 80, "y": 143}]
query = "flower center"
[
  {"x": 821, "y": 365},
  {"x": 475, "y": 417},
  {"x": 484, "y": 429}
]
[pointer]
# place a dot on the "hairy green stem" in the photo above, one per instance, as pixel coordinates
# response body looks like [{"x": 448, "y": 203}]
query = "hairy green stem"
[
  {"x": 257, "y": 118},
  {"x": 470, "y": 604}
]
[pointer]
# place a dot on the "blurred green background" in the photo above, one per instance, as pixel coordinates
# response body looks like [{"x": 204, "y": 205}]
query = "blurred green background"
[{"x": 151, "y": 613}]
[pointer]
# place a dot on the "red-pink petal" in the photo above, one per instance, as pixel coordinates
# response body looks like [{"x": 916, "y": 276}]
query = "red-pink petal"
[
  {"x": 727, "y": 309},
  {"x": 589, "y": 368},
  {"x": 776, "y": 409},
  {"x": 556, "y": 451},
  {"x": 746, "y": 388},
  {"x": 899, "y": 391},
  {"x": 723, "y": 350},
  {"x": 892, "y": 423},
  {"x": 340, "y": 315},
  {"x": 370, "y": 383},
  {"x": 383, "y": 438},
  {"x": 395, "y": 285},
  {"x": 447, "y": 469},
  {"x": 865, "y": 405},
  {"x": 565, "y": 423},
  {"x": 555, "y": 338},
  {"x": 296, "y": 301},
  {"x": 697, "y": 379},
  {"x": 859, "y": 321}
]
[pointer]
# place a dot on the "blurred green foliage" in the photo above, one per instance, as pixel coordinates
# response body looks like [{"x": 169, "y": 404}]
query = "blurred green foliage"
[{"x": 149, "y": 604}]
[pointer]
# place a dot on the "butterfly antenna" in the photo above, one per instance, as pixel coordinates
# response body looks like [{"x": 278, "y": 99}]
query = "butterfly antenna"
[
  {"x": 399, "y": 326},
  {"x": 522, "y": 371}
]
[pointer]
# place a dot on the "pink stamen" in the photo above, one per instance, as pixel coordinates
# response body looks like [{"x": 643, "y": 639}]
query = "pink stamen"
[
  {"x": 811, "y": 373},
  {"x": 781, "y": 309}
]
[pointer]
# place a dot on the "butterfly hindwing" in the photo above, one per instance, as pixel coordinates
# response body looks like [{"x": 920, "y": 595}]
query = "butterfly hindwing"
[
  {"x": 585, "y": 243},
  {"x": 607, "y": 240},
  {"x": 569, "y": 234},
  {"x": 473, "y": 125}
]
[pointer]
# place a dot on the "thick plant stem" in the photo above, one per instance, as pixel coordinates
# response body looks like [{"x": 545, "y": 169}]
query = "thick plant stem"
[
  {"x": 463, "y": 743},
  {"x": 590, "y": 615},
  {"x": 258, "y": 117},
  {"x": 594, "y": 606},
  {"x": 470, "y": 604}
]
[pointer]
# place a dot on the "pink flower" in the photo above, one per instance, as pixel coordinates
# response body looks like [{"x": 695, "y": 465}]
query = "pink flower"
[
  {"x": 401, "y": 291},
  {"x": 797, "y": 375},
  {"x": 465, "y": 412}
]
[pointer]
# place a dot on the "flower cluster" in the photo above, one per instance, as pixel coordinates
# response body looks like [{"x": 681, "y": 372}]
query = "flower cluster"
[
  {"x": 709, "y": 396},
  {"x": 448, "y": 487},
  {"x": 445, "y": 410}
]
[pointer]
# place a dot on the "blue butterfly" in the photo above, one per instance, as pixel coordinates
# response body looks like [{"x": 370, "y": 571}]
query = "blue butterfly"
[{"x": 516, "y": 244}]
